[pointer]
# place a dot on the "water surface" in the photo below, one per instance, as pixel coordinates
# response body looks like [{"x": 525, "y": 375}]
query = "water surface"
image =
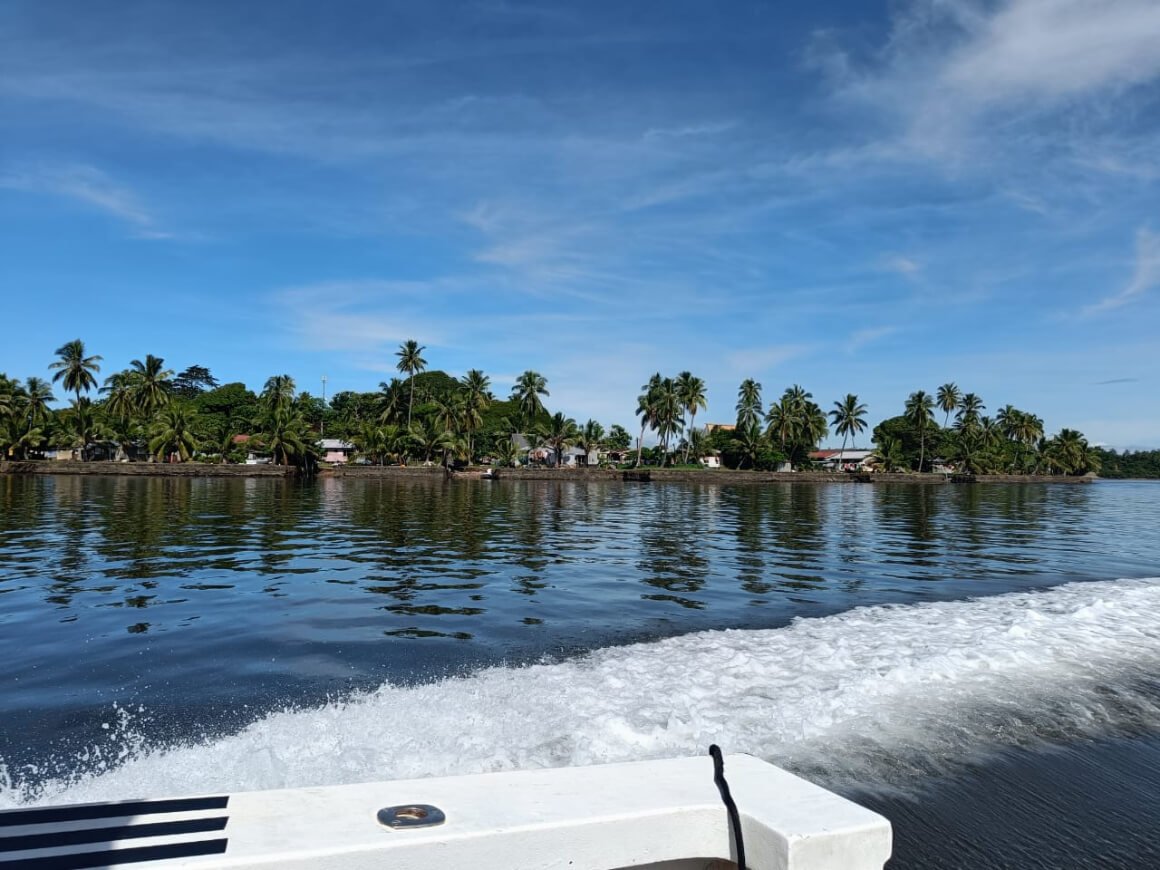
[{"x": 910, "y": 645}]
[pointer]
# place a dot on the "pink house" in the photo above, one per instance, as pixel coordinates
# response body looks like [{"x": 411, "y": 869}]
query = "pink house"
[{"x": 336, "y": 451}]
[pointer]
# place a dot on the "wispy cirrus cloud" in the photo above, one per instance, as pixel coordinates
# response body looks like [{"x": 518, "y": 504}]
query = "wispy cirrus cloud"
[
  {"x": 90, "y": 187},
  {"x": 1145, "y": 274},
  {"x": 862, "y": 337},
  {"x": 754, "y": 361},
  {"x": 952, "y": 64},
  {"x": 901, "y": 265}
]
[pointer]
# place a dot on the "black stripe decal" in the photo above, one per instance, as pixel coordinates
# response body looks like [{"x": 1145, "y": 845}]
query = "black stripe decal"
[
  {"x": 114, "y": 857},
  {"x": 111, "y": 835},
  {"x": 79, "y": 812}
]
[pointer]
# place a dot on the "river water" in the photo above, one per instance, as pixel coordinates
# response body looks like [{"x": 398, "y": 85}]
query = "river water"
[{"x": 979, "y": 663}]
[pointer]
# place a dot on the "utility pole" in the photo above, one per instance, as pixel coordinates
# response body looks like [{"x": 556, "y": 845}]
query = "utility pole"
[{"x": 322, "y": 422}]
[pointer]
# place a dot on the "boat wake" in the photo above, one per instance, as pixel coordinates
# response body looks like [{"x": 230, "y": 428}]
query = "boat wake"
[{"x": 877, "y": 696}]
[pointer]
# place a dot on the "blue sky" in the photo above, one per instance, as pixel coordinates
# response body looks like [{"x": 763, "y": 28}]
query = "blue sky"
[{"x": 854, "y": 196}]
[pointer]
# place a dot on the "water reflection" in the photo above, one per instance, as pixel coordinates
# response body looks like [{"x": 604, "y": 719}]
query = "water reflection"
[{"x": 279, "y": 571}]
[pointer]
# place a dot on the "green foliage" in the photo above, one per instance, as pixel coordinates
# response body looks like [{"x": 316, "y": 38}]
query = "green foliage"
[
  {"x": 1138, "y": 464},
  {"x": 194, "y": 381},
  {"x": 76, "y": 370},
  {"x": 226, "y": 411},
  {"x": 618, "y": 438}
]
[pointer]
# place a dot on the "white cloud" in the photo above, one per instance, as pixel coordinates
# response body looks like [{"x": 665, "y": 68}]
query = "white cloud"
[
  {"x": 92, "y": 187},
  {"x": 757, "y": 361},
  {"x": 1145, "y": 273},
  {"x": 711, "y": 129},
  {"x": 863, "y": 337},
  {"x": 1055, "y": 49},
  {"x": 901, "y": 265},
  {"x": 952, "y": 64}
]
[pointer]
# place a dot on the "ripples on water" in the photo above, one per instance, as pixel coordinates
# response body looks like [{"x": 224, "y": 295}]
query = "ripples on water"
[{"x": 202, "y": 606}]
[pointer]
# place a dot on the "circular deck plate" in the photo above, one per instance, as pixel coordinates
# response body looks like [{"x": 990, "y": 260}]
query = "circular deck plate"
[{"x": 411, "y": 816}]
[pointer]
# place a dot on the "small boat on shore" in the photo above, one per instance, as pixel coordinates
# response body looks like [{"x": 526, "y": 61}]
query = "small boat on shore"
[{"x": 656, "y": 815}]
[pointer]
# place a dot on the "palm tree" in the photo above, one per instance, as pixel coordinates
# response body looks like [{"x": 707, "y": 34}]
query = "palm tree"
[
  {"x": 969, "y": 407},
  {"x": 750, "y": 441},
  {"x": 691, "y": 391},
  {"x": 505, "y": 452},
  {"x": 646, "y": 408},
  {"x": 812, "y": 429},
  {"x": 1008, "y": 420},
  {"x": 590, "y": 438},
  {"x": 173, "y": 432},
  {"x": 428, "y": 437},
  {"x": 449, "y": 412},
  {"x": 36, "y": 396},
  {"x": 75, "y": 368},
  {"x": 748, "y": 403},
  {"x": 119, "y": 400},
  {"x": 278, "y": 393},
  {"x": 920, "y": 413},
  {"x": 888, "y": 454},
  {"x": 527, "y": 391},
  {"x": 150, "y": 383},
  {"x": 696, "y": 442},
  {"x": 285, "y": 433},
  {"x": 391, "y": 401},
  {"x": 82, "y": 427},
  {"x": 411, "y": 362},
  {"x": 668, "y": 415},
  {"x": 561, "y": 434},
  {"x": 780, "y": 423},
  {"x": 849, "y": 418},
  {"x": 477, "y": 391},
  {"x": 948, "y": 398}
]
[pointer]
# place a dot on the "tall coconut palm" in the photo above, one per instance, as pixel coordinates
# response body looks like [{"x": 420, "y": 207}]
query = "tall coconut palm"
[
  {"x": 151, "y": 384},
  {"x": 411, "y": 362},
  {"x": 476, "y": 388},
  {"x": 449, "y": 412},
  {"x": 748, "y": 403},
  {"x": 560, "y": 435},
  {"x": 969, "y": 407},
  {"x": 285, "y": 433},
  {"x": 812, "y": 430},
  {"x": 750, "y": 442},
  {"x": 1007, "y": 419},
  {"x": 391, "y": 401},
  {"x": 120, "y": 404},
  {"x": 948, "y": 398},
  {"x": 82, "y": 426},
  {"x": 849, "y": 418},
  {"x": 669, "y": 415},
  {"x": 37, "y": 395},
  {"x": 920, "y": 413},
  {"x": 173, "y": 433},
  {"x": 76, "y": 369},
  {"x": 779, "y": 424},
  {"x": 591, "y": 438},
  {"x": 646, "y": 409},
  {"x": 278, "y": 393},
  {"x": 527, "y": 391},
  {"x": 691, "y": 391}
]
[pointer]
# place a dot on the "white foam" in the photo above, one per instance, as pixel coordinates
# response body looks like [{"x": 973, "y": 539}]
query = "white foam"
[{"x": 867, "y": 694}]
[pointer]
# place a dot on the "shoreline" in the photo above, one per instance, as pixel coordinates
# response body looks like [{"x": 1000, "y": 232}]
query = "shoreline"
[{"x": 586, "y": 475}]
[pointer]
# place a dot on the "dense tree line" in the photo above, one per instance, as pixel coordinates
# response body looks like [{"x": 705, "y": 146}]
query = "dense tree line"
[
  {"x": 1144, "y": 464},
  {"x": 430, "y": 415}
]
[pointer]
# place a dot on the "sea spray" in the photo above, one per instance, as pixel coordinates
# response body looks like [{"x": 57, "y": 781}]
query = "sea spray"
[{"x": 876, "y": 695}]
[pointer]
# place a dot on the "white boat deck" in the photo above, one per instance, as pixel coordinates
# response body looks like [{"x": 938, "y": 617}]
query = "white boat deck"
[{"x": 662, "y": 814}]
